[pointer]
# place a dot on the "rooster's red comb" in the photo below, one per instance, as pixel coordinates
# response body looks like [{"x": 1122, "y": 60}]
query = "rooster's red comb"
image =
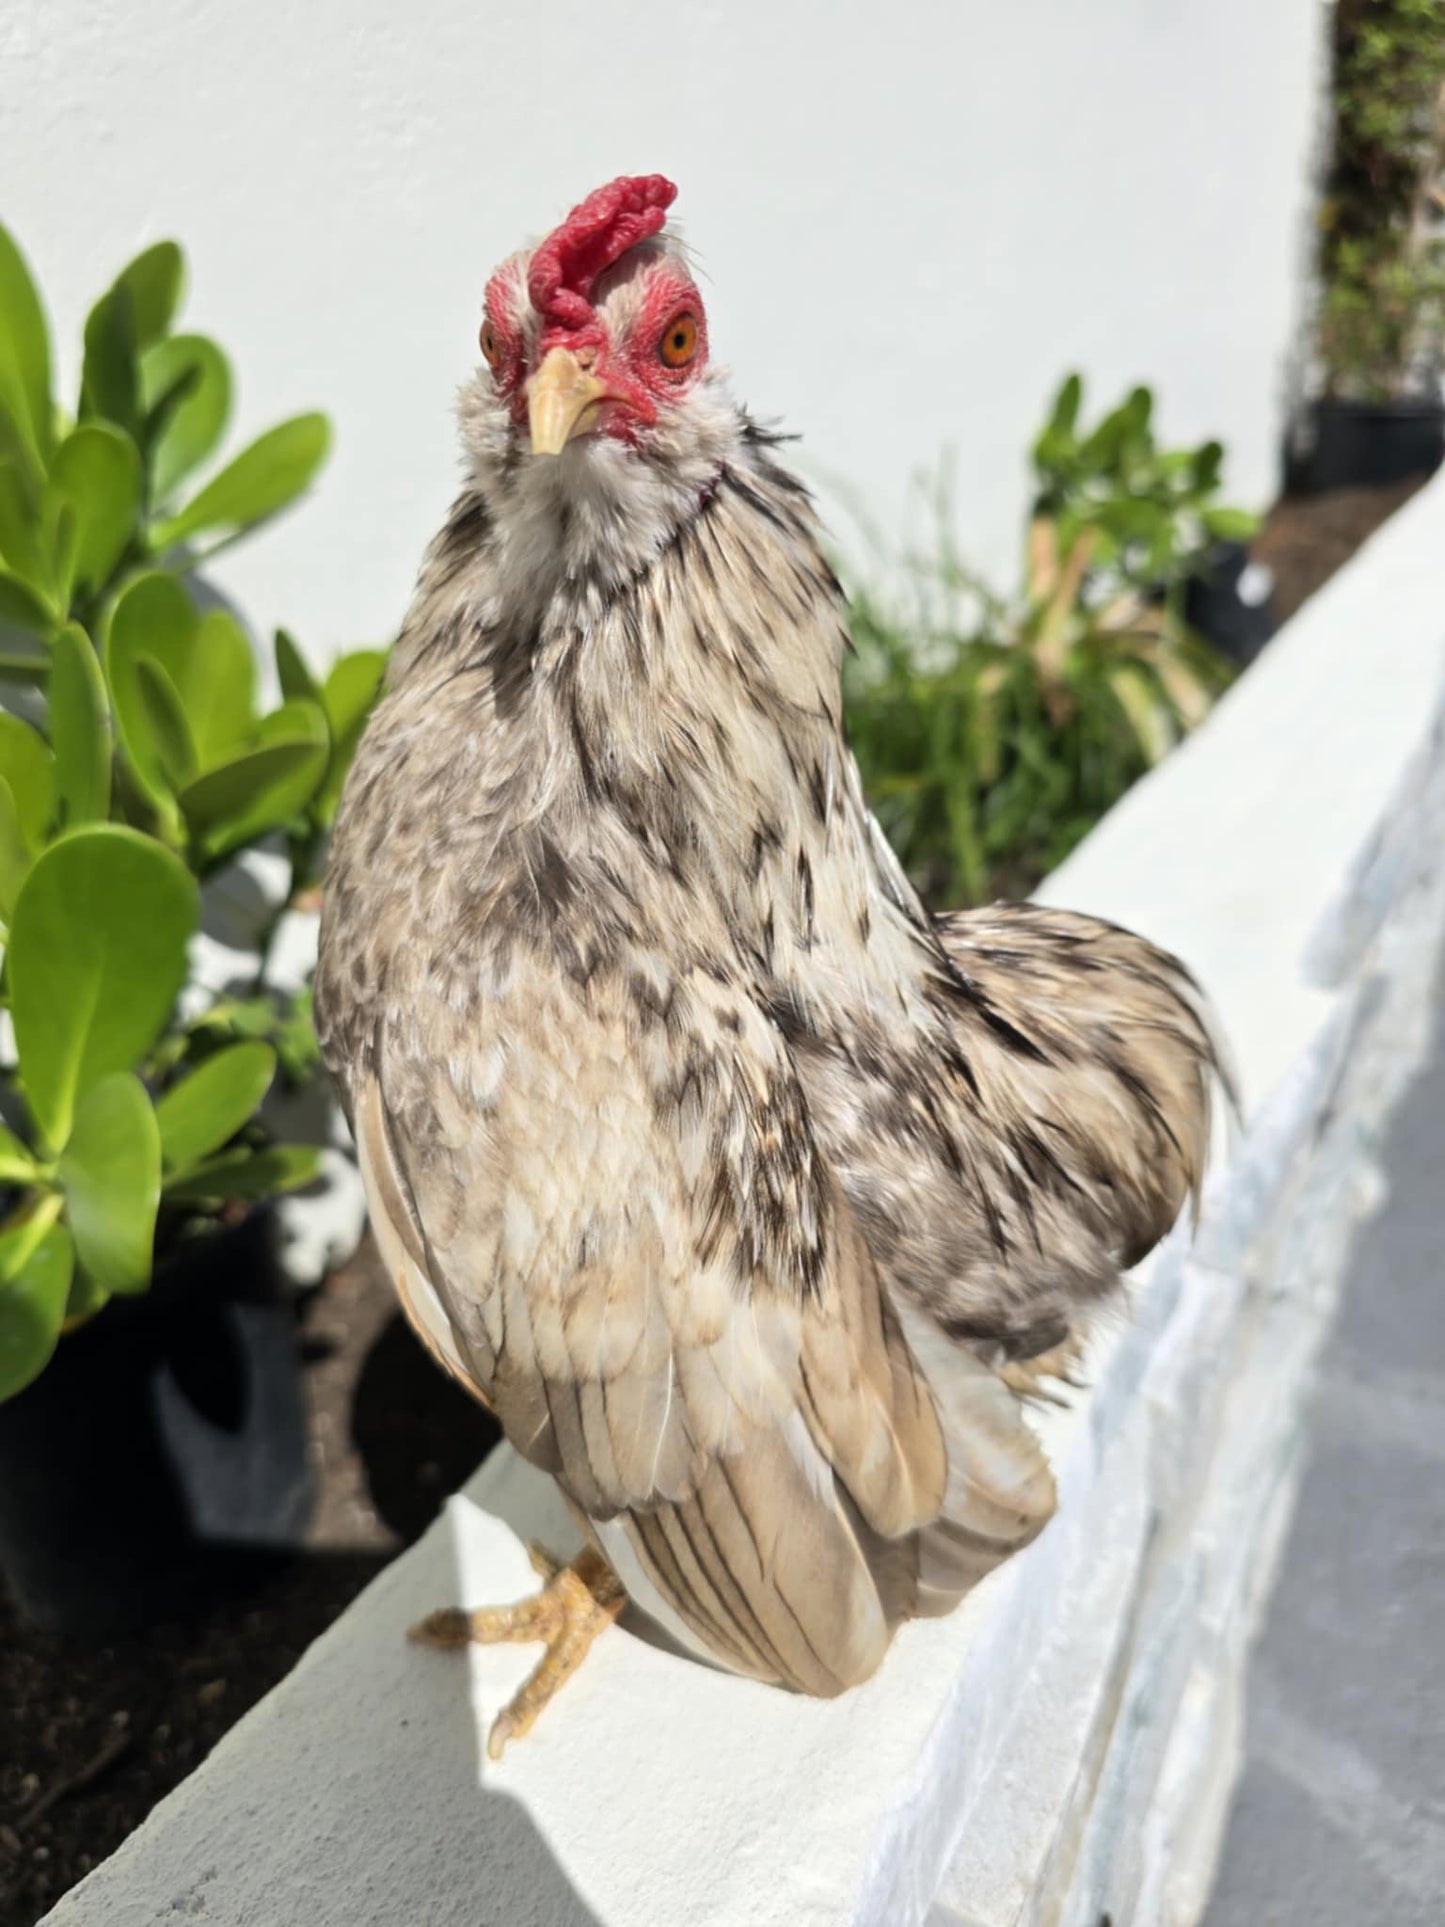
[{"x": 596, "y": 233}]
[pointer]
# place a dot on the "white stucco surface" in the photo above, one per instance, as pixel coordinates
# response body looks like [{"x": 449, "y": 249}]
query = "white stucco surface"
[
  {"x": 912, "y": 221},
  {"x": 1062, "y": 1747}
]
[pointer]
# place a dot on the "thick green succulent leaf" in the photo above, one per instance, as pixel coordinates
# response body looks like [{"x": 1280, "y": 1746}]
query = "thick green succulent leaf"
[
  {"x": 154, "y": 283},
  {"x": 159, "y": 406},
  {"x": 296, "y": 720},
  {"x": 79, "y": 730},
  {"x": 352, "y": 686},
  {"x": 21, "y": 546},
  {"x": 262, "y": 480},
  {"x": 87, "y": 1296},
  {"x": 294, "y": 672},
  {"x": 14, "y": 855},
  {"x": 219, "y": 688},
  {"x": 23, "y": 607},
  {"x": 154, "y": 619},
  {"x": 110, "y": 381},
  {"x": 188, "y": 430},
  {"x": 246, "y": 1174},
  {"x": 97, "y": 469},
  {"x": 97, "y": 955},
  {"x": 24, "y": 360},
  {"x": 110, "y": 1172},
  {"x": 17, "y": 1166},
  {"x": 35, "y": 1276},
  {"x": 207, "y": 1108},
  {"x": 29, "y": 768},
  {"x": 166, "y": 724},
  {"x": 17, "y": 454},
  {"x": 262, "y": 787},
  {"x": 209, "y": 662},
  {"x": 62, "y": 530}
]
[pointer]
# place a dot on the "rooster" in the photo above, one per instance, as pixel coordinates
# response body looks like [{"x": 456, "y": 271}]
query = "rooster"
[{"x": 753, "y": 1199}]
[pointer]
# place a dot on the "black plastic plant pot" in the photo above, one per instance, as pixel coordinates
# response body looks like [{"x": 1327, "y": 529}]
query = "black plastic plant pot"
[
  {"x": 1229, "y": 602},
  {"x": 159, "y": 1461},
  {"x": 1365, "y": 444}
]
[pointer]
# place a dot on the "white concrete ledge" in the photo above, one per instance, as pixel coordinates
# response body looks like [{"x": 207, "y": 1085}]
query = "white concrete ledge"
[{"x": 1062, "y": 1748}]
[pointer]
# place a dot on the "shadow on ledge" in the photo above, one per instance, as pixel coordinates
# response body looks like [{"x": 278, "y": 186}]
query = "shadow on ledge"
[{"x": 418, "y": 1434}]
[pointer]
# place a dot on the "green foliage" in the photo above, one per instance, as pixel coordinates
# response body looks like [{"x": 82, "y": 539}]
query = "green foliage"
[
  {"x": 110, "y": 1172},
  {"x": 208, "y": 1108},
  {"x": 27, "y": 427},
  {"x": 96, "y": 957},
  {"x": 137, "y": 760},
  {"x": 1148, "y": 513},
  {"x": 1382, "y": 219},
  {"x": 29, "y": 766},
  {"x": 37, "y": 1265},
  {"x": 261, "y": 480},
  {"x": 993, "y": 734},
  {"x": 79, "y": 730}
]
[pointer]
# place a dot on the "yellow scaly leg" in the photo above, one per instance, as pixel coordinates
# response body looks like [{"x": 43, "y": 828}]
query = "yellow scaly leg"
[{"x": 577, "y": 1602}]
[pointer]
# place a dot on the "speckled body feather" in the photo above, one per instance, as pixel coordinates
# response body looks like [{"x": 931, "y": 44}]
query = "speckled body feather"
[{"x": 724, "y": 1173}]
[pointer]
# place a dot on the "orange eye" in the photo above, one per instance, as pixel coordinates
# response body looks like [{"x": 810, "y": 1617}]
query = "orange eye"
[
  {"x": 491, "y": 346},
  {"x": 678, "y": 344}
]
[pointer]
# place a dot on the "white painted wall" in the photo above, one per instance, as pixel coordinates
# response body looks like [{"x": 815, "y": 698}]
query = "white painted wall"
[{"x": 913, "y": 219}]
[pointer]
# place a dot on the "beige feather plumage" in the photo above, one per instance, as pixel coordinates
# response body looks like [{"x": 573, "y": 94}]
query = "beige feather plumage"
[{"x": 728, "y": 1177}]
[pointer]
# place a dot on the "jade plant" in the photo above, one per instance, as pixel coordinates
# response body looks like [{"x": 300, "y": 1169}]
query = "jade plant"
[
  {"x": 993, "y": 731},
  {"x": 137, "y": 762}
]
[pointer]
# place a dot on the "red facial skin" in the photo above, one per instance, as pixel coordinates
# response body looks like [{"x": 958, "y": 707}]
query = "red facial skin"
[
  {"x": 507, "y": 345},
  {"x": 639, "y": 382}
]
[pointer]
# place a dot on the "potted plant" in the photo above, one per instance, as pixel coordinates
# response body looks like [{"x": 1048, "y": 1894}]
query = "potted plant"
[
  {"x": 1379, "y": 417},
  {"x": 151, "y": 1428},
  {"x": 1158, "y": 526},
  {"x": 992, "y": 733}
]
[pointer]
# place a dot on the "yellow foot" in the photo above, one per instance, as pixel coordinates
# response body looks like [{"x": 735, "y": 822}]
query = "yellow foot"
[
  {"x": 577, "y": 1603},
  {"x": 1026, "y": 1375}
]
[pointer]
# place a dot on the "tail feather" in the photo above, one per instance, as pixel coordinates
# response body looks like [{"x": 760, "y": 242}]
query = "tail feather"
[{"x": 1129, "y": 1056}]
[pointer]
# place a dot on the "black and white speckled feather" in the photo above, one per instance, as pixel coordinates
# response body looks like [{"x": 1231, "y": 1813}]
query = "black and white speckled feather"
[{"x": 725, "y": 1173}]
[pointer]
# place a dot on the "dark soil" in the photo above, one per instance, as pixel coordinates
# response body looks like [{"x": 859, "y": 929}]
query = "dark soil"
[
  {"x": 92, "y": 1737},
  {"x": 1305, "y": 538}
]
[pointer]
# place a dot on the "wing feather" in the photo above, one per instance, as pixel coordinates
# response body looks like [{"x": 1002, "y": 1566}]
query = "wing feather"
[
  {"x": 400, "y": 1239},
  {"x": 746, "y": 1410}
]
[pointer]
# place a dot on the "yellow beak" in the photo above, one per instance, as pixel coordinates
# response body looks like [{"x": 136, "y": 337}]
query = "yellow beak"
[{"x": 562, "y": 400}]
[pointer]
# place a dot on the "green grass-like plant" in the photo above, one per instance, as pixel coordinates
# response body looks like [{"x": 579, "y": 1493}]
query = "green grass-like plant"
[{"x": 993, "y": 733}]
